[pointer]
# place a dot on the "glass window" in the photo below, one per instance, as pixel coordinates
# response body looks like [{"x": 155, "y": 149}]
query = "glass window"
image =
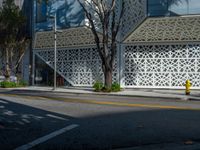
[
  {"x": 173, "y": 7},
  {"x": 41, "y": 9},
  {"x": 69, "y": 14},
  {"x": 194, "y": 6},
  {"x": 157, "y": 8},
  {"x": 178, "y": 7}
]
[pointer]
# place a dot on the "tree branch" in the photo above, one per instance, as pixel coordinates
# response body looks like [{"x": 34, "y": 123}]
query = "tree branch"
[{"x": 97, "y": 39}]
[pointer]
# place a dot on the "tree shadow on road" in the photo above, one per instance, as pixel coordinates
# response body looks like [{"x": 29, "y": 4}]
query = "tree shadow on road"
[
  {"x": 110, "y": 128},
  {"x": 130, "y": 129},
  {"x": 20, "y": 124}
]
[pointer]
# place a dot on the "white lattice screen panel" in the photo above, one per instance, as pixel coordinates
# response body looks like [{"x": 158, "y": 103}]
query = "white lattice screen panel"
[
  {"x": 162, "y": 65},
  {"x": 167, "y": 29},
  {"x": 135, "y": 13},
  {"x": 79, "y": 66},
  {"x": 68, "y": 38}
]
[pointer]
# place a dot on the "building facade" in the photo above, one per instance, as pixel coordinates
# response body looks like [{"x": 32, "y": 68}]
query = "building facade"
[{"x": 159, "y": 45}]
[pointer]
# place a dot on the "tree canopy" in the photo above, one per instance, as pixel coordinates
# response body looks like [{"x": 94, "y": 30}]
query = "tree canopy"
[{"x": 12, "y": 35}]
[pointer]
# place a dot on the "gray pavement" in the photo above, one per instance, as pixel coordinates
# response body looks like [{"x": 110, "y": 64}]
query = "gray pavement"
[
  {"x": 100, "y": 127},
  {"x": 20, "y": 124},
  {"x": 159, "y": 93},
  {"x": 30, "y": 113}
]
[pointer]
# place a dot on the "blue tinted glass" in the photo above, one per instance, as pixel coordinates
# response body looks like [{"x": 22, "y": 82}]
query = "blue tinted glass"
[
  {"x": 194, "y": 6},
  {"x": 178, "y": 7},
  {"x": 69, "y": 14},
  {"x": 41, "y": 11},
  {"x": 173, "y": 7},
  {"x": 157, "y": 7}
]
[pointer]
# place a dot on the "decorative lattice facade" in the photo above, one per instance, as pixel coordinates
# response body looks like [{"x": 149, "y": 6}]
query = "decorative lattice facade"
[
  {"x": 68, "y": 38},
  {"x": 135, "y": 13},
  {"x": 153, "y": 52},
  {"x": 79, "y": 66},
  {"x": 162, "y": 65},
  {"x": 168, "y": 29}
]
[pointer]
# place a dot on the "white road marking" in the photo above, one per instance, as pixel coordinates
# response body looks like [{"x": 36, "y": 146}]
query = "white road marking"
[
  {"x": 1, "y": 101},
  {"x": 2, "y": 107},
  {"x": 26, "y": 121},
  {"x": 20, "y": 122},
  {"x": 56, "y": 117},
  {"x": 46, "y": 137}
]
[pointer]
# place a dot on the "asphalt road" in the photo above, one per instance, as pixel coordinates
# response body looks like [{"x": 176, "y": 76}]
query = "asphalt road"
[{"x": 44, "y": 120}]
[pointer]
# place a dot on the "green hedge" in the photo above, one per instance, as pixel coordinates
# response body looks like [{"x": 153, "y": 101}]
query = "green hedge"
[
  {"x": 115, "y": 87},
  {"x": 7, "y": 84},
  {"x": 98, "y": 87}
]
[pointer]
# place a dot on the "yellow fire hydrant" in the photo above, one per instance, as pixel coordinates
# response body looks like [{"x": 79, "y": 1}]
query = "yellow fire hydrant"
[{"x": 188, "y": 85}]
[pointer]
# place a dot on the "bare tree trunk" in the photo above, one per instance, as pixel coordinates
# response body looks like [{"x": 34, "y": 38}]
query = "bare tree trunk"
[
  {"x": 16, "y": 67},
  {"x": 7, "y": 67},
  {"x": 107, "y": 71},
  {"x": 106, "y": 13},
  {"x": 108, "y": 79}
]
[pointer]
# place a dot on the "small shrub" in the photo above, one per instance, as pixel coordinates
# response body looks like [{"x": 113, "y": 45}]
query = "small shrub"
[
  {"x": 22, "y": 83},
  {"x": 115, "y": 87},
  {"x": 107, "y": 90},
  {"x": 98, "y": 86},
  {"x": 7, "y": 84}
]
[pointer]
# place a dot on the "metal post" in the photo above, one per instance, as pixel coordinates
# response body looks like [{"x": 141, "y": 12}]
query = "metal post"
[
  {"x": 33, "y": 69},
  {"x": 55, "y": 53},
  {"x": 33, "y": 37},
  {"x": 121, "y": 66}
]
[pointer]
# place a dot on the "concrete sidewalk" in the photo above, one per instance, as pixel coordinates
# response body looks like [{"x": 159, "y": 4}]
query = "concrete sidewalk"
[{"x": 158, "y": 93}]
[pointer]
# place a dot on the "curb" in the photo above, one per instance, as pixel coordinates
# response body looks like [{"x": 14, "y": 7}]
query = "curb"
[{"x": 179, "y": 97}]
